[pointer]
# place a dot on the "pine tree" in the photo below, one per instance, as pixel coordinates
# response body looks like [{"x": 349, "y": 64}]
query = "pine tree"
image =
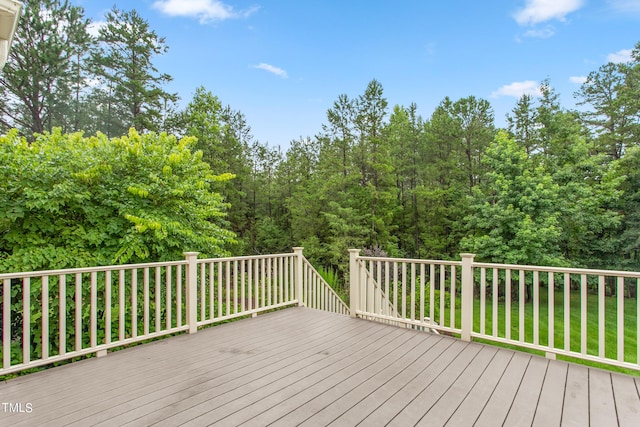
[
  {"x": 41, "y": 81},
  {"x": 131, "y": 94}
]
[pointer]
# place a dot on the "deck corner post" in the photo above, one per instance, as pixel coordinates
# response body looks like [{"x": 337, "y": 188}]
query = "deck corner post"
[
  {"x": 354, "y": 282},
  {"x": 467, "y": 296},
  {"x": 192, "y": 291},
  {"x": 299, "y": 276}
]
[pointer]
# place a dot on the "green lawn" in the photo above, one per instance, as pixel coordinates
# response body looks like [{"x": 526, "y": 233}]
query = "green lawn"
[
  {"x": 592, "y": 337},
  {"x": 592, "y": 342}
]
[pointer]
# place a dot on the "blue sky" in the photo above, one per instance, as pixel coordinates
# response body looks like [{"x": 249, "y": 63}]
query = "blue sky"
[{"x": 284, "y": 63}]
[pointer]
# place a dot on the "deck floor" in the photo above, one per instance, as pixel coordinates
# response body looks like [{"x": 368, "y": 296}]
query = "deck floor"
[{"x": 305, "y": 367}]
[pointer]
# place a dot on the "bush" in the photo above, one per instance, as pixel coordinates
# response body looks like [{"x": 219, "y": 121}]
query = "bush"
[{"x": 73, "y": 201}]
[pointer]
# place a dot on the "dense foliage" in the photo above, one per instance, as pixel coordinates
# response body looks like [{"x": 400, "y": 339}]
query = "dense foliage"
[
  {"x": 556, "y": 187},
  {"x": 71, "y": 201}
]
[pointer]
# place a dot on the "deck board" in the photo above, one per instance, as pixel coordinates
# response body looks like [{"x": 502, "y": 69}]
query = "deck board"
[
  {"x": 305, "y": 367},
  {"x": 234, "y": 379},
  {"x": 309, "y": 404},
  {"x": 361, "y": 391},
  {"x": 526, "y": 401},
  {"x": 448, "y": 403},
  {"x": 497, "y": 407},
  {"x": 549, "y": 407},
  {"x": 469, "y": 410},
  {"x": 378, "y": 397},
  {"x": 413, "y": 412},
  {"x": 626, "y": 396},
  {"x": 575, "y": 411},
  {"x": 602, "y": 408},
  {"x": 308, "y": 380},
  {"x": 391, "y": 407}
]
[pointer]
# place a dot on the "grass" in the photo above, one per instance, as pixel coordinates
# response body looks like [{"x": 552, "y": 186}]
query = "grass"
[{"x": 575, "y": 325}]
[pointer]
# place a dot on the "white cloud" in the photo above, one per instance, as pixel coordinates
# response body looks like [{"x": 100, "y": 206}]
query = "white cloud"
[
  {"x": 625, "y": 6},
  {"x": 578, "y": 79},
  {"x": 517, "y": 89},
  {"x": 204, "y": 10},
  {"x": 94, "y": 28},
  {"x": 270, "y": 68},
  {"x": 623, "y": 55},
  {"x": 537, "y": 11},
  {"x": 544, "y": 33}
]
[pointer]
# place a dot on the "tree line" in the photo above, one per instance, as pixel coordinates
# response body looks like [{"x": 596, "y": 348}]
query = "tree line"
[
  {"x": 59, "y": 75},
  {"x": 556, "y": 187}
]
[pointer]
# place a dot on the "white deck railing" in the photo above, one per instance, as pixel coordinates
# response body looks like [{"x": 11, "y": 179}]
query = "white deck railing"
[
  {"x": 559, "y": 311},
  {"x": 50, "y": 316},
  {"x": 316, "y": 292}
]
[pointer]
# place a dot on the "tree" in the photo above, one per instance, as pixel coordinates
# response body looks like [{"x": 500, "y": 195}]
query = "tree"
[
  {"x": 629, "y": 168},
  {"x": 513, "y": 216},
  {"x": 589, "y": 186},
  {"x": 42, "y": 80},
  {"x": 207, "y": 120},
  {"x": 614, "y": 108},
  {"x": 370, "y": 110},
  {"x": 523, "y": 125},
  {"x": 338, "y": 133},
  {"x": 405, "y": 136},
  {"x": 443, "y": 148},
  {"x": 203, "y": 119},
  {"x": 132, "y": 94},
  {"x": 475, "y": 119},
  {"x": 295, "y": 180},
  {"x": 71, "y": 201},
  {"x": 549, "y": 130},
  {"x": 372, "y": 157},
  {"x": 444, "y": 195},
  {"x": 352, "y": 188}
]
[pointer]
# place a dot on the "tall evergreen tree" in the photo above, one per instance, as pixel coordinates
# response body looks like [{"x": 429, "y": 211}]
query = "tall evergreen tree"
[
  {"x": 523, "y": 124},
  {"x": 132, "y": 94},
  {"x": 405, "y": 136},
  {"x": 338, "y": 134},
  {"x": 613, "y": 115},
  {"x": 373, "y": 161},
  {"x": 446, "y": 183},
  {"x": 221, "y": 137},
  {"x": 295, "y": 175},
  {"x": 43, "y": 73},
  {"x": 475, "y": 119},
  {"x": 629, "y": 168}
]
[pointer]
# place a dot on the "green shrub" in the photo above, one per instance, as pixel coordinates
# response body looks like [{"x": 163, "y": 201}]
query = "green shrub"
[{"x": 74, "y": 201}]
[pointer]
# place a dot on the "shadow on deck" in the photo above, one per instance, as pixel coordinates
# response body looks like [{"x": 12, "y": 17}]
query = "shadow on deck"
[{"x": 303, "y": 366}]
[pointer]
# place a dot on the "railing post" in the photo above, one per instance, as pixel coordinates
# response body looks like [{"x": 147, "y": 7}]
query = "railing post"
[
  {"x": 192, "y": 291},
  {"x": 354, "y": 282},
  {"x": 299, "y": 276},
  {"x": 467, "y": 296}
]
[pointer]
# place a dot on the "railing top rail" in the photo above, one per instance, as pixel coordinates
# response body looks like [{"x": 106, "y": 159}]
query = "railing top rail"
[
  {"x": 24, "y": 274},
  {"x": 409, "y": 260},
  {"x": 42, "y": 273},
  {"x": 587, "y": 271},
  {"x": 245, "y": 257}
]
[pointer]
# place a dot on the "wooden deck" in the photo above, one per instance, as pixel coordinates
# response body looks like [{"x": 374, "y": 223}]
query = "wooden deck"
[{"x": 302, "y": 366}]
